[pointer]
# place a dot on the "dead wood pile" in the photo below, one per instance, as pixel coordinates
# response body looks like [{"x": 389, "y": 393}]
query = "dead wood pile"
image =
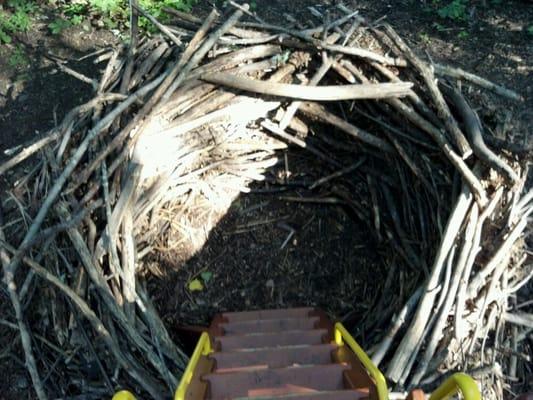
[{"x": 187, "y": 120}]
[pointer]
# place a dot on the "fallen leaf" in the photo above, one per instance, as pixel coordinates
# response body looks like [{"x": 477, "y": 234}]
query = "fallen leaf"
[
  {"x": 196, "y": 285},
  {"x": 206, "y": 276}
]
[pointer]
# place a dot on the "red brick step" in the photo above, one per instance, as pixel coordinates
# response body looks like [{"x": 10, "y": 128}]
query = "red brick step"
[
  {"x": 275, "y": 357},
  {"x": 267, "y": 314},
  {"x": 275, "y": 382},
  {"x": 269, "y": 325},
  {"x": 275, "y": 339},
  {"x": 329, "y": 395}
]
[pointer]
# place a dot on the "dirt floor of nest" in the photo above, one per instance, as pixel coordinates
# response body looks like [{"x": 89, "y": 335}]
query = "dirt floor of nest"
[{"x": 251, "y": 259}]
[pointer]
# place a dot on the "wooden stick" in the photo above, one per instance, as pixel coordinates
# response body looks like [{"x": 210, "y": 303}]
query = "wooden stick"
[
  {"x": 77, "y": 75},
  {"x": 413, "y": 336},
  {"x": 338, "y": 173},
  {"x": 318, "y": 111},
  {"x": 149, "y": 66},
  {"x": 398, "y": 322},
  {"x": 441, "y": 291},
  {"x": 317, "y": 77},
  {"x": 459, "y": 73},
  {"x": 158, "y": 24},
  {"x": 522, "y": 319},
  {"x": 9, "y": 280},
  {"x": 100, "y": 283},
  {"x": 479, "y": 279},
  {"x": 348, "y": 50},
  {"x": 134, "y": 40},
  {"x": 73, "y": 162},
  {"x": 366, "y": 54},
  {"x": 460, "y": 330},
  {"x": 142, "y": 378},
  {"x": 472, "y": 181},
  {"x": 316, "y": 93},
  {"x": 442, "y": 108},
  {"x": 415, "y": 118},
  {"x": 209, "y": 42},
  {"x": 270, "y": 126},
  {"x": 474, "y": 130},
  {"x": 56, "y": 133},
  {"x": 442, "y": 319},
  {"x": 413, "y": 96}
]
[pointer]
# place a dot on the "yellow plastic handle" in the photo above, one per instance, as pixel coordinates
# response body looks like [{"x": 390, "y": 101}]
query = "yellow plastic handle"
[
  {"x": 123, "y": 395},
  {"x": 341, "y": 336},
  {"x": 203, "y": 348},
  {"x": 457, "y": 383}
]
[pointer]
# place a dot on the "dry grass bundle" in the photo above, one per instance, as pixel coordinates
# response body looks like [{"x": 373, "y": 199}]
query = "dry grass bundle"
[{"x": 177, "y": 130}]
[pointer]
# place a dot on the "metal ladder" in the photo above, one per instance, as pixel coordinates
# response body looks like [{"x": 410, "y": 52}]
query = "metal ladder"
[
  {"x": 296, "y": 354},
  {"x": 291, "y": 354}
]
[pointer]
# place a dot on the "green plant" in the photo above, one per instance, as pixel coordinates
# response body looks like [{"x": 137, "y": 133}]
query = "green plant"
[
  {"x": 4, "y": 36},
  {"x": 74, "y": 9},
  {"x": 455, "y": 10},
  {"x": 75, "y": 12},
  {"x": 58, "y": 25},
  {"x": 17, "y": 21},
  {"x": 530, "y": 30},
  {"x": 76, "y": 19},
  {"x": 424, "y": 37},
  {"x": 156, "y": 7},
  {"x": 26, "y": 6},
  {"x": 18, "y": 58},
  {"x": 105, "y": 6},
  {"x": 463, "y": 34},
  {"x": 114, "y": 14}
]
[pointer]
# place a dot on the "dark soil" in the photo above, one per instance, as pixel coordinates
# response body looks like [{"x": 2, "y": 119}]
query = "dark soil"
[
  {"x": 332, "y": 260},
  {"x": 34, "y": 94},
  {"x": 272, "y": 251}
]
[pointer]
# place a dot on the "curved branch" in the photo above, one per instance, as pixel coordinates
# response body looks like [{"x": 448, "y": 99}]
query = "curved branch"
[{"x": 474, "y": 131}]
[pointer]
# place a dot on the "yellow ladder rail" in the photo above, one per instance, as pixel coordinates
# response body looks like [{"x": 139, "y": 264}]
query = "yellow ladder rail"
[
  {"x": 203, "y": 348},
  {"x": 341, "y": 336},
  {"x": 455, "y": 384},
  {"x": 123, "y": 395}
]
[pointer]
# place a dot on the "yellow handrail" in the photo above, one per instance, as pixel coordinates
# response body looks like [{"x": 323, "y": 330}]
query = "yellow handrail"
[
  {"x": 123, "y": 395},
  {"x": 341, "y": 336},
  {"x": 203, "y": 348},
  {"x": 457, "y": 383}
]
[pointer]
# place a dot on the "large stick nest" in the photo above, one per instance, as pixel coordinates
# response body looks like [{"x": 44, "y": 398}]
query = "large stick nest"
[{"x": 183, "y": 123}]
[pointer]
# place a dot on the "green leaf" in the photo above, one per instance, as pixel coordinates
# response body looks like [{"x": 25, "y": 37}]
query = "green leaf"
[
  {"x": 58, "y": 25},
  {"x": 4, "y": 37},
  {"x": 76, "y": 19},
  {"x": 462, "y": 35},
  {"x": 105, "y": 6},
  {"x": 206, "y": 276},
  {"x": 18, "y": 58},
  {"x": 456, "y": 10},
  {"x": 196, "y": 285}
]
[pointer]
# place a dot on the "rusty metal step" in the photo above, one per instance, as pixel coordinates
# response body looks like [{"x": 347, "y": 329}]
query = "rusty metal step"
[
  {"x": 267, "y": 314},
  {"x": 262, "y": 340},
  {"x": 316, "y": 395},
  {"x": 275, "y": 382},
  {"x": 274, "y": 357},
  {"x": 269, "y": 325}
]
